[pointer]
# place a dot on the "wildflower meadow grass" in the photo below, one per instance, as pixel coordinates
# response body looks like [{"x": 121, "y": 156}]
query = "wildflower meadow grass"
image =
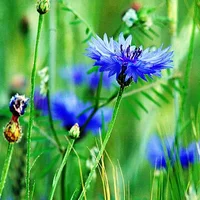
[{"x": 100, "y": 100}]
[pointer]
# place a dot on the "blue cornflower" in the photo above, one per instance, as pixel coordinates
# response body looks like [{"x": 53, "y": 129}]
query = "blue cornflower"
[
  {"x": 77, "y": 75},
  {"x": 188, "y": 155},
  {"x": 128, "y": 62},
  {"x": 159, "y": 152},
  {"x": 67, "y": 108}
]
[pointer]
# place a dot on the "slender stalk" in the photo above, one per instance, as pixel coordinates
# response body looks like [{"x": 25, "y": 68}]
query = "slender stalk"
[
  {"x": 4, "y": 39},
  {"x": 187, "y": 76},
  {"x": 78, "y": 16},
  {"x": 30, "y": 124},
  {"x": 96, "y": 106},
  {"x": 6, "y": 167},
  {"x": 62, "y": 183},
  {"x": 108, "y": 134},
  {"x": 51, "y": 122},
  {"x": 58, "y": 174},
  {"x": 188, "y": 65},
  {"x": 52, "y": 47}
]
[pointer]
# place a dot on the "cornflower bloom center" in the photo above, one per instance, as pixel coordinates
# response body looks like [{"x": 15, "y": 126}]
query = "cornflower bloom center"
[
  {"x": 127, "y": 55},
  {"x": 130, "y": 54}
]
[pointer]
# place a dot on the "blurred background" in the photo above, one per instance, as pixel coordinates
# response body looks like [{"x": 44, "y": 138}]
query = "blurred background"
[{"x": 64, "y": 38}]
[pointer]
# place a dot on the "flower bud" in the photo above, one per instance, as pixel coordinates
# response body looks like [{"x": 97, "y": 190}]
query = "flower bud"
[
  {"x": 74, "y": 131},
  {"x": 18, "y": 104},
  {"x": 13, "y": 131},
  {"x": 43, "y": 6},
  {"x": 130, "y": 17}
]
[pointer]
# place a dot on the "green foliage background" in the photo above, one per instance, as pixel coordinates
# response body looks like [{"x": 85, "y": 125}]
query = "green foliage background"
[{"x": 134, "y": 124}]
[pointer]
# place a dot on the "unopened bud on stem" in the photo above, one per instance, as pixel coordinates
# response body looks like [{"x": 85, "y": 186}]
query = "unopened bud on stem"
[
  {"x": 43, "y": 6},
  {"x": 74, "y": 131}
]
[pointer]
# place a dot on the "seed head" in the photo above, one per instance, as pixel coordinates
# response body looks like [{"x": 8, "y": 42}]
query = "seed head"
[{"x": 13, "y": 131}]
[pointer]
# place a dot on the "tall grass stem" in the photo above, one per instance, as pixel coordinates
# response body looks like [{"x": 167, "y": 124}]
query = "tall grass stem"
[
  {"x": 187, "y": 75},
  {"x": 58, "y": 174},
  {"x": 108, "y": 134},
  {"x": 52, "y": 47},
  {"x": 30, "y": 124},
  {"x": 6, "y": 166}
]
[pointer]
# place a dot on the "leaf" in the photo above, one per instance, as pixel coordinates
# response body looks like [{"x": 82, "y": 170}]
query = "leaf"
[
  {"x": 151, "y": 98},
  {"x": 87, "y": 38},
  {"x": 145, "y": 33},
  {"x": 176, "y": 86},
  {"x": 76, "y": 22},
  {"x": 161, "y": 96},
  {"x": 87, "y": 30},
  {"x": 67, "y": 9},
  {"x": 167, "y": 89},
  {"x": 152, "y": 31},
  {"x": 92, "y": 70},
  {"x": 141, "y": 105}
]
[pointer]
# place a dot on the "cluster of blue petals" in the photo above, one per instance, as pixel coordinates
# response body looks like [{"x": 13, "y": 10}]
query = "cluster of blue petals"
[
  {"x": 18, "y": 104},
  {"x": 161, "y": 153},
  {"x": 113, "y": 56},
  {"x": 40, "y": 102},
  {"x": 77, "y": 75},
  {"x": 68, "y": 109}
]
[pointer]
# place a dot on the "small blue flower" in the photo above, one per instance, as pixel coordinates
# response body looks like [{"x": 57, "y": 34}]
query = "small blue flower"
[
  {"x": 40, "y": 102},
  {"x": 122, "y": 59},
  {"x": 188, "y": 155},
  {"x": 159, "y": 152},
  {"x": 68, "y": 109},
  {"x": 18, "y": 104}
]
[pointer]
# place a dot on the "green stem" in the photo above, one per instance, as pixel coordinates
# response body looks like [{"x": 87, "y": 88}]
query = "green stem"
[
  {"x": 96, "y": 106},
  {"x": 186, "y": 77},
  {"x": 108, "y": 134},
  {"x": 76, "y": 14},
  {"x": 51, "y": 122},
  {"x": 31, "y": 115},
  {"x": 62, "y": 182},
  {"x": 52, "y": 46},
  {"x": 172, "y": 12},
  {"x": 6, "y": 167},
  {"x": 4, "y": 40},
  {"x": 188, "y": 65},
  {"x": 58, "y": 174}
]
